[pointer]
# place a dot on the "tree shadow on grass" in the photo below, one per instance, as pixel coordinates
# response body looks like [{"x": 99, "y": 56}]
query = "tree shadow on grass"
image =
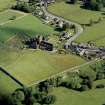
[
  {"x": 11, "y": 76},
  {"x": 18, "y": 31}
]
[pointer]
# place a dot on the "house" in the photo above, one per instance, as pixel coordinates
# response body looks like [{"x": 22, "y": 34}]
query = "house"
[
  {"x": 31, "y": 43},
  {"x": 46, "y": 46},
  {"x": 66, "y": 35}
]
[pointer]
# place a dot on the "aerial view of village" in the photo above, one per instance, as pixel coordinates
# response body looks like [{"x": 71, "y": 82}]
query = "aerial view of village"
[{"x": 52, "y": 52}]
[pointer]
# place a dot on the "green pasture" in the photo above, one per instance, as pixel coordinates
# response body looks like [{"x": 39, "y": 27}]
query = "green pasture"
[
  {"x": 5, "y": 4},
  {"x": 69, "y": 97},
  {"x": 7, "y": 15},
  {"x": 32, "y": 66},
  {"x": 7, "y": 85},
  {"x": 91, "y": 97},
  {"x": 29, "y": 25},
  {"x": 94, "y": 33},
  {"x": 74, "y": 12}
]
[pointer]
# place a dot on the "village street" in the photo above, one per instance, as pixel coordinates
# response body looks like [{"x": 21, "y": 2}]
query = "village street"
[{"x": 79, "y": 28}]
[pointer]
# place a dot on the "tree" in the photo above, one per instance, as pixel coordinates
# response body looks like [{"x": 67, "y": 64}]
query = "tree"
[
  {"x": 100, "y": 75},
  {"x": 75, "y": 82},
  {"x": 50, "y": 99},
  {"x": 91, "y": 22},
  {"x": 84, "y": 88},
  {"x": 16, "y": 98},
  {"x": 90, "y": 83},
  {"x": 93, "y": 4},
  {"x": 72, "y": 1}
]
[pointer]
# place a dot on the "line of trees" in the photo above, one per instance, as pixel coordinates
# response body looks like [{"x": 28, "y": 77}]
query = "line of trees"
[
  {"x": 83, "y": 80},
  {"x": 94, "y": 4},
  {"x": 36, "y": 95},
  {"x": 90, "y": 4},
  {"x": 28, "y": 7}
]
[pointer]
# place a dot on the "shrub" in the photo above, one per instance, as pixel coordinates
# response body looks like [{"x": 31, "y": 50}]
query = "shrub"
[
  {"x": 13, "y": 18},
  {"x": 73, "y": 82},
  {"x": 100, "y": 75},
  {"x": 50, "y": 99},
  {"x": 84, "y": 88},
  {"x": 90, "y": 83},
  {"x": 100, "y": 86}
]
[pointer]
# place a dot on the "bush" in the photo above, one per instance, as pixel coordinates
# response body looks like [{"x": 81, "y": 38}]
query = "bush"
[
  {"x": 84, "y": 88},
  {"x": 100, "y": 86},
  {"x": 100, "y": 76},
  {"x": 13, "y": 18},
  {"x": 71, "y": 81},
  {"x": 50, "y": 99},
  {"x": 90, "y": 83}
]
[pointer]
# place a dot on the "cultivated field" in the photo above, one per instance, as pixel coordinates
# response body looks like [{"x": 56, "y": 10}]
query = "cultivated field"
[{"x": 32, "y": 66}]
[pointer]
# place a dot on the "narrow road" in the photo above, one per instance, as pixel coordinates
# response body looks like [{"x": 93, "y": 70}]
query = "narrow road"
[{"x": 79, "y": 28}]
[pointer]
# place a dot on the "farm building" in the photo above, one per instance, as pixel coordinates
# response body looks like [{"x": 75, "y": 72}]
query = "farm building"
[{"x": 46, "y": 46}]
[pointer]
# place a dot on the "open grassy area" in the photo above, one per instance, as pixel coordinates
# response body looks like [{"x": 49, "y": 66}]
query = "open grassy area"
[
  {"x": 101, "y": 42},
  {"x": 94, "y": 96},
  {"x": 7, "y": 85},
  {"x": 95, "y": 33},
  {"x": 74, "y": 12},
  {"x": 69, "y": 97},
  {"x": 7, "y": 15},
  {"x": 28, "y": 25},
  {"x": 5, "y": 4},
  {"x": 31, "y": 66}
]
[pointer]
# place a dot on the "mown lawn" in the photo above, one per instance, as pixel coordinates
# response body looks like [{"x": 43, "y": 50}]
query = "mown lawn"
[
  {"x": 5, "y": 4},
  {"x": 31, "y": 66},
  {"x": 28, "y": 25}
]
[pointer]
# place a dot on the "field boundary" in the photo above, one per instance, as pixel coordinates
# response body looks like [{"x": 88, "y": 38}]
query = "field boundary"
[
  {"x": 73, "y": 69},
  {"x": 18, "y": 18},
  {"x": 12, "y": 77}
]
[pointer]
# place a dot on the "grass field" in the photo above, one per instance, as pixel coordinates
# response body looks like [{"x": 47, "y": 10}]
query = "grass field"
[
  {"x": 7, "y": 15},
  {"x": 5, "y": 4},
  {"x": 70, "y": 97},
  {"x": 101, "y": 42},
  {"x": 31, "y": 66},
  {"x": 7, "y": 85},
  {"x": 74, "y": 12},
  {"x": 91, "y": 97},
  {"x": 95, "y": 33},
  {"x": 28, "y": 25}
]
